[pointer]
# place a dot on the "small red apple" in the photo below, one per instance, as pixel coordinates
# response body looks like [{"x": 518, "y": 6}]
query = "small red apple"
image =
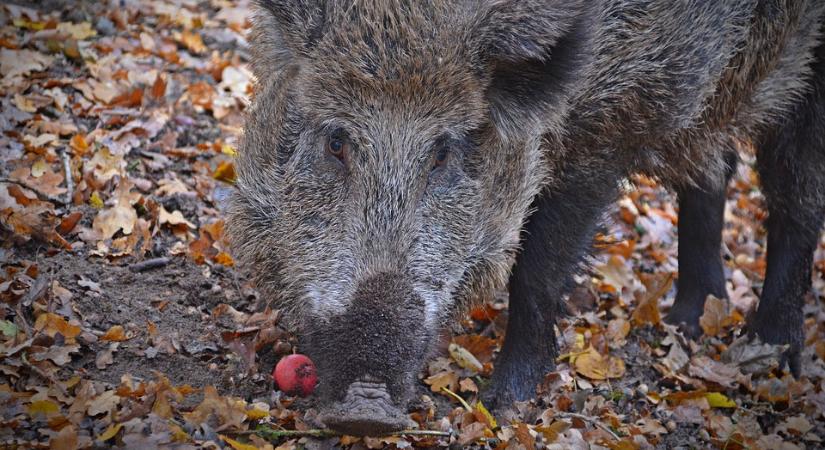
[{"x": 295, "y": 375}]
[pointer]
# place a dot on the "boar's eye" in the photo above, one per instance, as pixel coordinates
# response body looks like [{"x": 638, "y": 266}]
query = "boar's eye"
[
  {"x": 338, "y": 145},
  {"x": 440, "y": 157}
]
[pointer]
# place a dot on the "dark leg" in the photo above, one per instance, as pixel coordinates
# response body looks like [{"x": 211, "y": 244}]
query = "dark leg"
[
  {"x": 701, "y": 273},
  {"x": 554, "y": 239},
  {"x": 792, "y": 167}
]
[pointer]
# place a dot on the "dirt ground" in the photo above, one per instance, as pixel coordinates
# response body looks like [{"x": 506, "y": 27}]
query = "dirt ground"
[{"x": 118, "y": 125}]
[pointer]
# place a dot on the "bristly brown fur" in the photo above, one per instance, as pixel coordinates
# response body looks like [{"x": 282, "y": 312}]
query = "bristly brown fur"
[{"x": 527, "y": 93}]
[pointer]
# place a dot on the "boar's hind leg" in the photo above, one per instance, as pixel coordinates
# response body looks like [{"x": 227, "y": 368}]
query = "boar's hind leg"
[
  {"x": 554, "y": 239},
  {"x": 701, "y": 210},
  {"x": 791, "y": 165}
]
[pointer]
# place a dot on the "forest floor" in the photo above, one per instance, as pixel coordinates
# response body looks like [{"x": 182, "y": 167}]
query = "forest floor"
[{"x": 124, "y": 323}]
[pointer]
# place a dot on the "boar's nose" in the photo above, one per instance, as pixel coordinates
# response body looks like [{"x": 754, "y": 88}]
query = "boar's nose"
[{"x": 367, "y": 410}]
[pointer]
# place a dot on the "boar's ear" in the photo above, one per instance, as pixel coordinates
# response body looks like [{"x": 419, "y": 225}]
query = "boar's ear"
[
  {"x": 534, "y": 52},
  {"x": 283, "y": 31}
]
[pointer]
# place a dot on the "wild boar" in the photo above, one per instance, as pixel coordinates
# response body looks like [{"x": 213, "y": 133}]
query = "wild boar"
[{"x": 402, "y": 158}]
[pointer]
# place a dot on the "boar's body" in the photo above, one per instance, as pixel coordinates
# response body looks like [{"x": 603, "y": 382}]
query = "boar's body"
[{"x": 402, "y": 158}]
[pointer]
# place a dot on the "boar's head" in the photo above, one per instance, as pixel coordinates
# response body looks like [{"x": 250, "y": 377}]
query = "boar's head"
[{"x": 389, "y": 160}]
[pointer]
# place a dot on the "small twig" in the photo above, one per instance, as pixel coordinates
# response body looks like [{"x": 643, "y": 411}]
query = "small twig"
[
  {"x": 589, "y": 420},
  {"x": 150, "y": 264},
  {"x": 269, "y": 433},
  {"x": 67, "y": 170},
  {"x": 458, "y": 397},
  {"x": 40, "y": 195},
  {"x": 272, "y": 434}
]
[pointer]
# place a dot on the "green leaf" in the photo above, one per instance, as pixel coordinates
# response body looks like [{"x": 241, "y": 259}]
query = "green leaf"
[{"x": 8, "y": 328}]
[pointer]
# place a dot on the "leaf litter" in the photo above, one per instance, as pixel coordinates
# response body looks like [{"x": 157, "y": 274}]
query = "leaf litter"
[{"x": 123, "y": 322}]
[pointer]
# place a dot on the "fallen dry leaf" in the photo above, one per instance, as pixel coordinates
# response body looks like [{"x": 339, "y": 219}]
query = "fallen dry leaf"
[
  {"x": 119, "y": 217},
  {"x": 596, "y": 366},
  {"x": 115, "y": 334},
  {"x": 710, "y": 370}
]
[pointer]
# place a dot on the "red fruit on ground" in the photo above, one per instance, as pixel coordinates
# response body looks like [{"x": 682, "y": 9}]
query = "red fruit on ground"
[{"x": 295, "y": 375}]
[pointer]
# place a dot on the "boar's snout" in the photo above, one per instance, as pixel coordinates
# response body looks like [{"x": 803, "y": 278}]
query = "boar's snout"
[
  {"x": 368, "y": 356},
  {"x": 367, "y": 409}
]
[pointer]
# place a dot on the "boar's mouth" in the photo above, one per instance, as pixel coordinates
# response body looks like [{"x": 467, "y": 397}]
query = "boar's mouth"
[
  {"x": 367, "y": 409},
  {"x": 367, "y": 356}
]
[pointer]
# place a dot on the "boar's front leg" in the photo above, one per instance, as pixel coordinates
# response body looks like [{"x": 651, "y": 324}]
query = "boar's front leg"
[
  {"x": 791, "y": 163},
  {"x": 701, "y": 273},
  {"x": 554, "y": 239}
]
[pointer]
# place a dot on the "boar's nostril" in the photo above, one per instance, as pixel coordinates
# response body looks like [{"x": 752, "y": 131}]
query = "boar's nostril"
[{"x": 366, "y": 410}]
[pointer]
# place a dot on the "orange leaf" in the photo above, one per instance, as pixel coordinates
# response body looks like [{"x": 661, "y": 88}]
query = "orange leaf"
[
  {"x": 648, "y": 310},
  {"x": 159, "y": 87},
  {"x": 51, "y": 324},
  {"x": 115, "y": 334},
  {"x": 524, "y": 437},
  {"x": 69, "y": 222},
  {"x": 224, "y": 259},
  {"x": 480, "y": 346},
  {"x": 79, "y": 145}
]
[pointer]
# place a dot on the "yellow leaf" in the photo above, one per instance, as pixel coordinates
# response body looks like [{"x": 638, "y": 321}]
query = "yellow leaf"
[
  {"x": 256, "y": 414},
  {"x": 227, "y": 149},
  {"x": 110, "y": 432},
  {"x": 595, "y": 366},
  {"x": 95, "y": 201},
  {"x": 225, "y": 172},
  {"x": 45, "y": 407},
  {"x": 488, "y": 418},
  {"x": 719, "y": 400},
  {"x": 23, "y": 23},
  {"x": 237, "y": 445}
]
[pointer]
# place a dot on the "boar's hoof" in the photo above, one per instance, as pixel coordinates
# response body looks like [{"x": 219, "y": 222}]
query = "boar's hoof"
[
  {"x": 367, "y": 410},
  {"x": 687, "y": 319},
  {"x": 779, "y": 330}
]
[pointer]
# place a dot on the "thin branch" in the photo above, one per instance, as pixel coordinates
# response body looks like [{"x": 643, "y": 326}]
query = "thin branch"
[
  {"x": 272, "y": 434},
  {"x": 459, "y": 398},
  {"x": 150, "y": 264},
  {"x": 590, "y": 420},
  {"x": 40, "y": 195},
  {"x": 67, "y": 170}
]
